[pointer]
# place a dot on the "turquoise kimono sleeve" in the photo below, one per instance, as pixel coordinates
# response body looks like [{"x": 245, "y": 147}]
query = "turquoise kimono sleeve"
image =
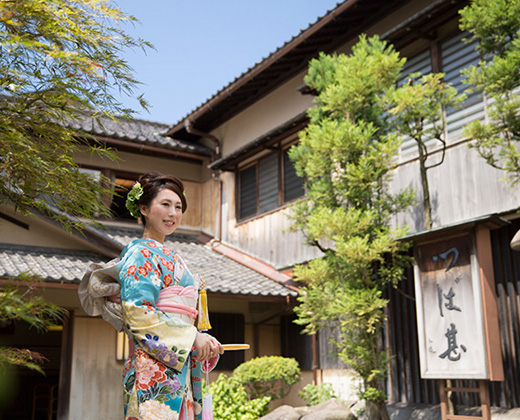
[{"x": 166, "y": 338}]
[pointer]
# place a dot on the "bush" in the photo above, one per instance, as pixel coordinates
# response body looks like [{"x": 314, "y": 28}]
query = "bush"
[
  {"x": 317, "y": 394},
  {"x": 230, "y": 401},
  {"x": 271, "y": 376}
]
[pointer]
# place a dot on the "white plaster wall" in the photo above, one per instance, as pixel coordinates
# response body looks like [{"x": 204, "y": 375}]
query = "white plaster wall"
[
  {"x": 140, "y": 164},
  {"x": 345, "y": 383},
  {"x": 228, "y": 205},
  {"x": 269, "y": 112},
  {"x": 39, "y": 233},
  {"x": 209, "y": 212},
  {"x": 96, "y": 377}
]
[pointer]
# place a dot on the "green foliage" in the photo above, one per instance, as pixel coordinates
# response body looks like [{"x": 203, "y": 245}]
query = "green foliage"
[
  {"x": 59, "y": 63},
  {"x": 317, "y": 394},
  {"x": 271, "y": 376},
  {"x": 346, "y": 155},
  {"x": 336, "y": 77},
  {"x": 417, "y": 109},
  {"x": 495, "y": 24},
  {"x": 230, "y": 401},
  {"x": 417, "y": 106},
  {"x": 20, "y": 301}
]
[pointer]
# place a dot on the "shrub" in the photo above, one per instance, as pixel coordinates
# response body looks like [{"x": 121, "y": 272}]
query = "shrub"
[
  {"x": 271, "y": 376},
  {"x": 317, "y": 394},
  {"x": 230, "y": 401}
]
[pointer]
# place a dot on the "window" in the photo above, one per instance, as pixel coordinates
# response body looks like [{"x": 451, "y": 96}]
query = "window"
[
  {"x": 228, "y": 328},
  {"x": 248, "y": 192},
  {"x": 121, "y": 189},
  {"x": 120, "y": 183},
  {"x": 267, "y": 184},
  {"x": 292, "y": 184},
  {"x": 450, "y": 56},
  {"x": 294, "y": 343},
  {"x": 421, "y": 63},
  {"x": 456, "y": 55}
]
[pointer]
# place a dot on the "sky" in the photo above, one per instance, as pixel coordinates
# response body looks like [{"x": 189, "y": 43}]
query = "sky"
[{"x": 203, "y": 45}]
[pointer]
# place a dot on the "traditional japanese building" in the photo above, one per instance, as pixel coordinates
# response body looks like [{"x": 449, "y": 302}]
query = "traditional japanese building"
[
  {"x": 231, "y": 152},
  {"x": 257, "y": 117}
]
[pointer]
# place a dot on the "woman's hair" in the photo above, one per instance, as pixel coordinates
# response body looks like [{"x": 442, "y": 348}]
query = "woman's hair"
[{"x": 153, "y": 182}]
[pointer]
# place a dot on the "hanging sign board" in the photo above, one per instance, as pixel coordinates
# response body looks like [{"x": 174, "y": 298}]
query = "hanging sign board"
[{"x": 452, "y": 343}]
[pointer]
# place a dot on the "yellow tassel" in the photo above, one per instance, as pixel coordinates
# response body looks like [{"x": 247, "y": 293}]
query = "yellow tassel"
[{"x": 203, "y": 319}]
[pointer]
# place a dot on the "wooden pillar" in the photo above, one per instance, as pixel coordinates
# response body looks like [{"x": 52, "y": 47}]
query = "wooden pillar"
[{"x": 489, "y": 303}]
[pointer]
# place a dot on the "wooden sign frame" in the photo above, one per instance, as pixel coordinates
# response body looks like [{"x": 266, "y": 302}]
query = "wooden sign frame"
[{"x": 477, "y": 268}]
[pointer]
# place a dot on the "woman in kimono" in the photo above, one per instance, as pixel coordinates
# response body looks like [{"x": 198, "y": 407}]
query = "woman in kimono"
[{"x": 158, "y": 297}]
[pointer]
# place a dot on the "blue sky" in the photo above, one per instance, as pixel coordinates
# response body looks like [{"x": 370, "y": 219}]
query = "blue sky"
[{"x": 202, "y": 45}]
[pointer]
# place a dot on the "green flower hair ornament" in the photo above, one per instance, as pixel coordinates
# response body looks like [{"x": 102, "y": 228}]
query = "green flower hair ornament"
[{"x": 132, "y": 198}]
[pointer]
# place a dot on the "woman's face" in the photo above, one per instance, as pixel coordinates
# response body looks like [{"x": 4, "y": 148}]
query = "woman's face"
[{"x": 163, "y": 215}]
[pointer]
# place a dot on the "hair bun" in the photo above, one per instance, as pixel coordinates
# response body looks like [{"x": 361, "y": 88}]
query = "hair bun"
[
  {"x": 150, "y": 177},
  {"x": 153, "y": 182}
]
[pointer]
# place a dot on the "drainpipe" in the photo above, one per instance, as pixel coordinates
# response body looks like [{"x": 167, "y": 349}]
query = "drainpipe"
[
  {"x": 188, "y": 125},
  {"x": 216, "y": 177}
]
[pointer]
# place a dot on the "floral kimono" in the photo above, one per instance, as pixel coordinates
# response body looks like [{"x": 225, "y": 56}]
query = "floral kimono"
[{"x": 158, "y": 298}]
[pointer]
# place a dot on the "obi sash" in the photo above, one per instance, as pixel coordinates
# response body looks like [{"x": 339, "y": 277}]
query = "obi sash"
[
  {"x": 179, "y": 300},
  {"x": 176, "y": 299}
]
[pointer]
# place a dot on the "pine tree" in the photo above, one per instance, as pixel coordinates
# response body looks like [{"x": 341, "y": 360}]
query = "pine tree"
[{"x": 346, "y": 155}]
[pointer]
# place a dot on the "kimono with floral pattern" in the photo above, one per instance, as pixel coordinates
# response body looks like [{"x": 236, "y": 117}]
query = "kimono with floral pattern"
[{"x": 161, "y": 380}]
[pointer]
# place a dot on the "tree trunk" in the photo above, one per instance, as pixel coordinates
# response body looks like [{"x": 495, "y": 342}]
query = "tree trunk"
[
  {"x": 376, "y": 411},
  {"x": 428, "y": 223}
]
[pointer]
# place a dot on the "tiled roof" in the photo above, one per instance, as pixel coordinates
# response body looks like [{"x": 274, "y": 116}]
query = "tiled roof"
[
  {"x": 137, "y": 131},
  {"x": 50, "y": 264},
  {"x": 222, "y": 275}
]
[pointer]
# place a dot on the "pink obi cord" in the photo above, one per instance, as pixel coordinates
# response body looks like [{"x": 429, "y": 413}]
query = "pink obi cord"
[{"x": 167, "y": 301}]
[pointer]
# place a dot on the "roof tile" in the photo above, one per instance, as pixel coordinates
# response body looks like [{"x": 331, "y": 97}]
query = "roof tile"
[
  {"x": 137, "y": 131},
  {"x": 221, "y": 274}
]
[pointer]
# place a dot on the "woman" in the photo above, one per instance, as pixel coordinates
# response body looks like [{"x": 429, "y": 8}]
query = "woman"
[{"x": 158, "y": 298}]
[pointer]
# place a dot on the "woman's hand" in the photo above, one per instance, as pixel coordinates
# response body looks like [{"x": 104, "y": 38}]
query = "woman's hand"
[{"x": 207, "y": 347}]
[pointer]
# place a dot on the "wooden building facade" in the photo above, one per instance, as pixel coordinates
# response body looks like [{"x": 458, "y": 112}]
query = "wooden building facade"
[
  {"x": 232, "y": 154},
  {"x": 257, "y": 117}
]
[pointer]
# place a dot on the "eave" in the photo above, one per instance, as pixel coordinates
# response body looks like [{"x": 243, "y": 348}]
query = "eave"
[
  {"x": 493, "y": 221},
  {"x": 149, "y": 150},
  {"x": 343, "y": 23},
  {"x": 229, "y": 162}
]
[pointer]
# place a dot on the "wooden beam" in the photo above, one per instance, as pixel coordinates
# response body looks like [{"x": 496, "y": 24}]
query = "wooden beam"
[{"x": 489, "y": 303}]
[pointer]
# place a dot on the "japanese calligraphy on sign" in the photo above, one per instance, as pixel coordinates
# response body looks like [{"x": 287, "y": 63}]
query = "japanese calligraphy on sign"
[{"x": 449, "y": 310}]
